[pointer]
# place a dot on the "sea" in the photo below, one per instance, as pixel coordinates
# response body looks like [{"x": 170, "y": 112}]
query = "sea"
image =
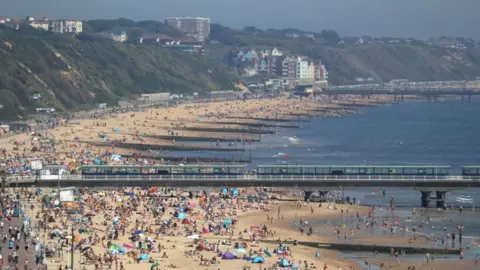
[
  {"x": 410, "y": 133},
  {"x": 445, "y": 132}
]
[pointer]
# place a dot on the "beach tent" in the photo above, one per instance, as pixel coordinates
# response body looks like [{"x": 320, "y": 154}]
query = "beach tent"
[
  {"x": 116, "y": 130},
  {"x": 268, "y": 253},
  {"x": 154, "y": 265},
  {"x": 284, "y": 263},
  {"x": 258, "y": 259},
  {"x": 241, "y": 250},
  {"x": 185, "y": 221},
  {"x": 227, "y": 223},
  {"x": 143, "y": 257},
  {"x": 228, "y": 256},
  {"x": 181, "y": 216}
]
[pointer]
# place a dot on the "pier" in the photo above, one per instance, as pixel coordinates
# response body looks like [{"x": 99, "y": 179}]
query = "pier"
[{"x": 310, "y": 178}]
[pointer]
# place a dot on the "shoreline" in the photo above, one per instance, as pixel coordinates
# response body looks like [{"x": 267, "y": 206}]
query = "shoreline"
[{"x": 176, "y": 128}]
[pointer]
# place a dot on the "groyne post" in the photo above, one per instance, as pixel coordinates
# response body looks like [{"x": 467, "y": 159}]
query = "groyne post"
[{"x": 425, "y": 199}]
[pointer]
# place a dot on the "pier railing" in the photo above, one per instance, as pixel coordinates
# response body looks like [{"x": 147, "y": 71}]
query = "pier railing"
[{"x": 244, "y": 177}]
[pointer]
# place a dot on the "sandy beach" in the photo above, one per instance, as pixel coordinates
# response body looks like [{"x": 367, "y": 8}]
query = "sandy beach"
[
  {"x": 122, "y": 132},
  {"x": 114, "y": 228}
]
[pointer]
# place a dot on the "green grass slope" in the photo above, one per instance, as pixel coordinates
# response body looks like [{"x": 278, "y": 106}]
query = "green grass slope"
[{"x": 71, "y": 72}]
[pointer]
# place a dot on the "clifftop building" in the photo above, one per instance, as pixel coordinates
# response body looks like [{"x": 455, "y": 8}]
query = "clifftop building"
[
  {"x": 196, "y": 27},
  {"x": 58, "y": 26}
]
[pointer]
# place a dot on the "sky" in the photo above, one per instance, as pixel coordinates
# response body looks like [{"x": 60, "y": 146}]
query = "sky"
[{"x": 396, "y": 18}]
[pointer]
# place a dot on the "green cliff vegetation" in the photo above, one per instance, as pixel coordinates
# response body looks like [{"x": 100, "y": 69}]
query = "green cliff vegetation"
[
  {"x": 71, "y": 72},
  {"x": 133, "y": 29}
]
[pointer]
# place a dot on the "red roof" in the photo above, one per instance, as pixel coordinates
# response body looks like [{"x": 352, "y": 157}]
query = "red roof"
[{"x": 2, "y": 18}]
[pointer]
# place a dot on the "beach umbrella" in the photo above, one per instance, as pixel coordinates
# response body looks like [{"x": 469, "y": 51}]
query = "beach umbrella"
[
  {"x": 154, "y": 265},
  {"x": 185, "y": 221},
  {"x": 143, "y": 257}
]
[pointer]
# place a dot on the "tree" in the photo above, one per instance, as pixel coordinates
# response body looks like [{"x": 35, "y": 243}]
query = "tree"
[{"x": 330, "y": 36}]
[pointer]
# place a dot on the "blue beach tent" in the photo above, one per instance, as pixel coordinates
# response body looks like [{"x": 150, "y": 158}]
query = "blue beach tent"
[
  {"x": 258, "y": 259},
  {"x": 284, "y": 262}
]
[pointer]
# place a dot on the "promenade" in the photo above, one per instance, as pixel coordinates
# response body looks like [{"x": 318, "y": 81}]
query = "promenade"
[{"x": 22, "y": 249}]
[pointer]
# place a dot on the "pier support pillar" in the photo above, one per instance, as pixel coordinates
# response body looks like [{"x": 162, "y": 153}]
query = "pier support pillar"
[
  {"x": 429, "y": 97},
  {"x": 469, "y": 98},
  {"x": 307, "y": 195},
  {"x": 401, "y": 98},
  {"x": 425, "y": 199},
  {"x": 440, "y": 198},
  {"x": 395, "y": 98},
  {"x": 323, "y": 195}
]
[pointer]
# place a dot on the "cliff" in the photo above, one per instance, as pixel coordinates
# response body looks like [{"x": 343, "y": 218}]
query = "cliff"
[{"x": 70, "y": 72}]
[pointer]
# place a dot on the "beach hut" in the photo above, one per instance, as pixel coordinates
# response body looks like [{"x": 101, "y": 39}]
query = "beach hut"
[
  {"x": 228, "y": 256},
  {"x": 258, "y": 259}
]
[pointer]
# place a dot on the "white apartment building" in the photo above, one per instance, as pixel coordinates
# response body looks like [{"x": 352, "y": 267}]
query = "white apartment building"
[
  {"x": 197, "y": 27},
  {"x": 61, "y": 26},
  {"x": 39, "y": 24},
  {"x": 301, "y": 68},
  {"x": 66, "y": 26}
]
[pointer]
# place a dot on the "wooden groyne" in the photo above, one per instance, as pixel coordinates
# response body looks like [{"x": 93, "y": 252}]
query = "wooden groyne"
[
  {"x": 227, "y": 130},
  {"x": 146, "y": 147},
  {"x": 373, "y": 248},
  {"x": 203, "y": 139},
  {"x": 261, "y": 125},
  {"x": 356, "y": 105},
  {"x": 264, "y": 119}
]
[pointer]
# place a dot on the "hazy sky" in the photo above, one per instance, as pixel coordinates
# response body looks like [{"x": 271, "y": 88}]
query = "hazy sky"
[{"x": 401, "y": 18}]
